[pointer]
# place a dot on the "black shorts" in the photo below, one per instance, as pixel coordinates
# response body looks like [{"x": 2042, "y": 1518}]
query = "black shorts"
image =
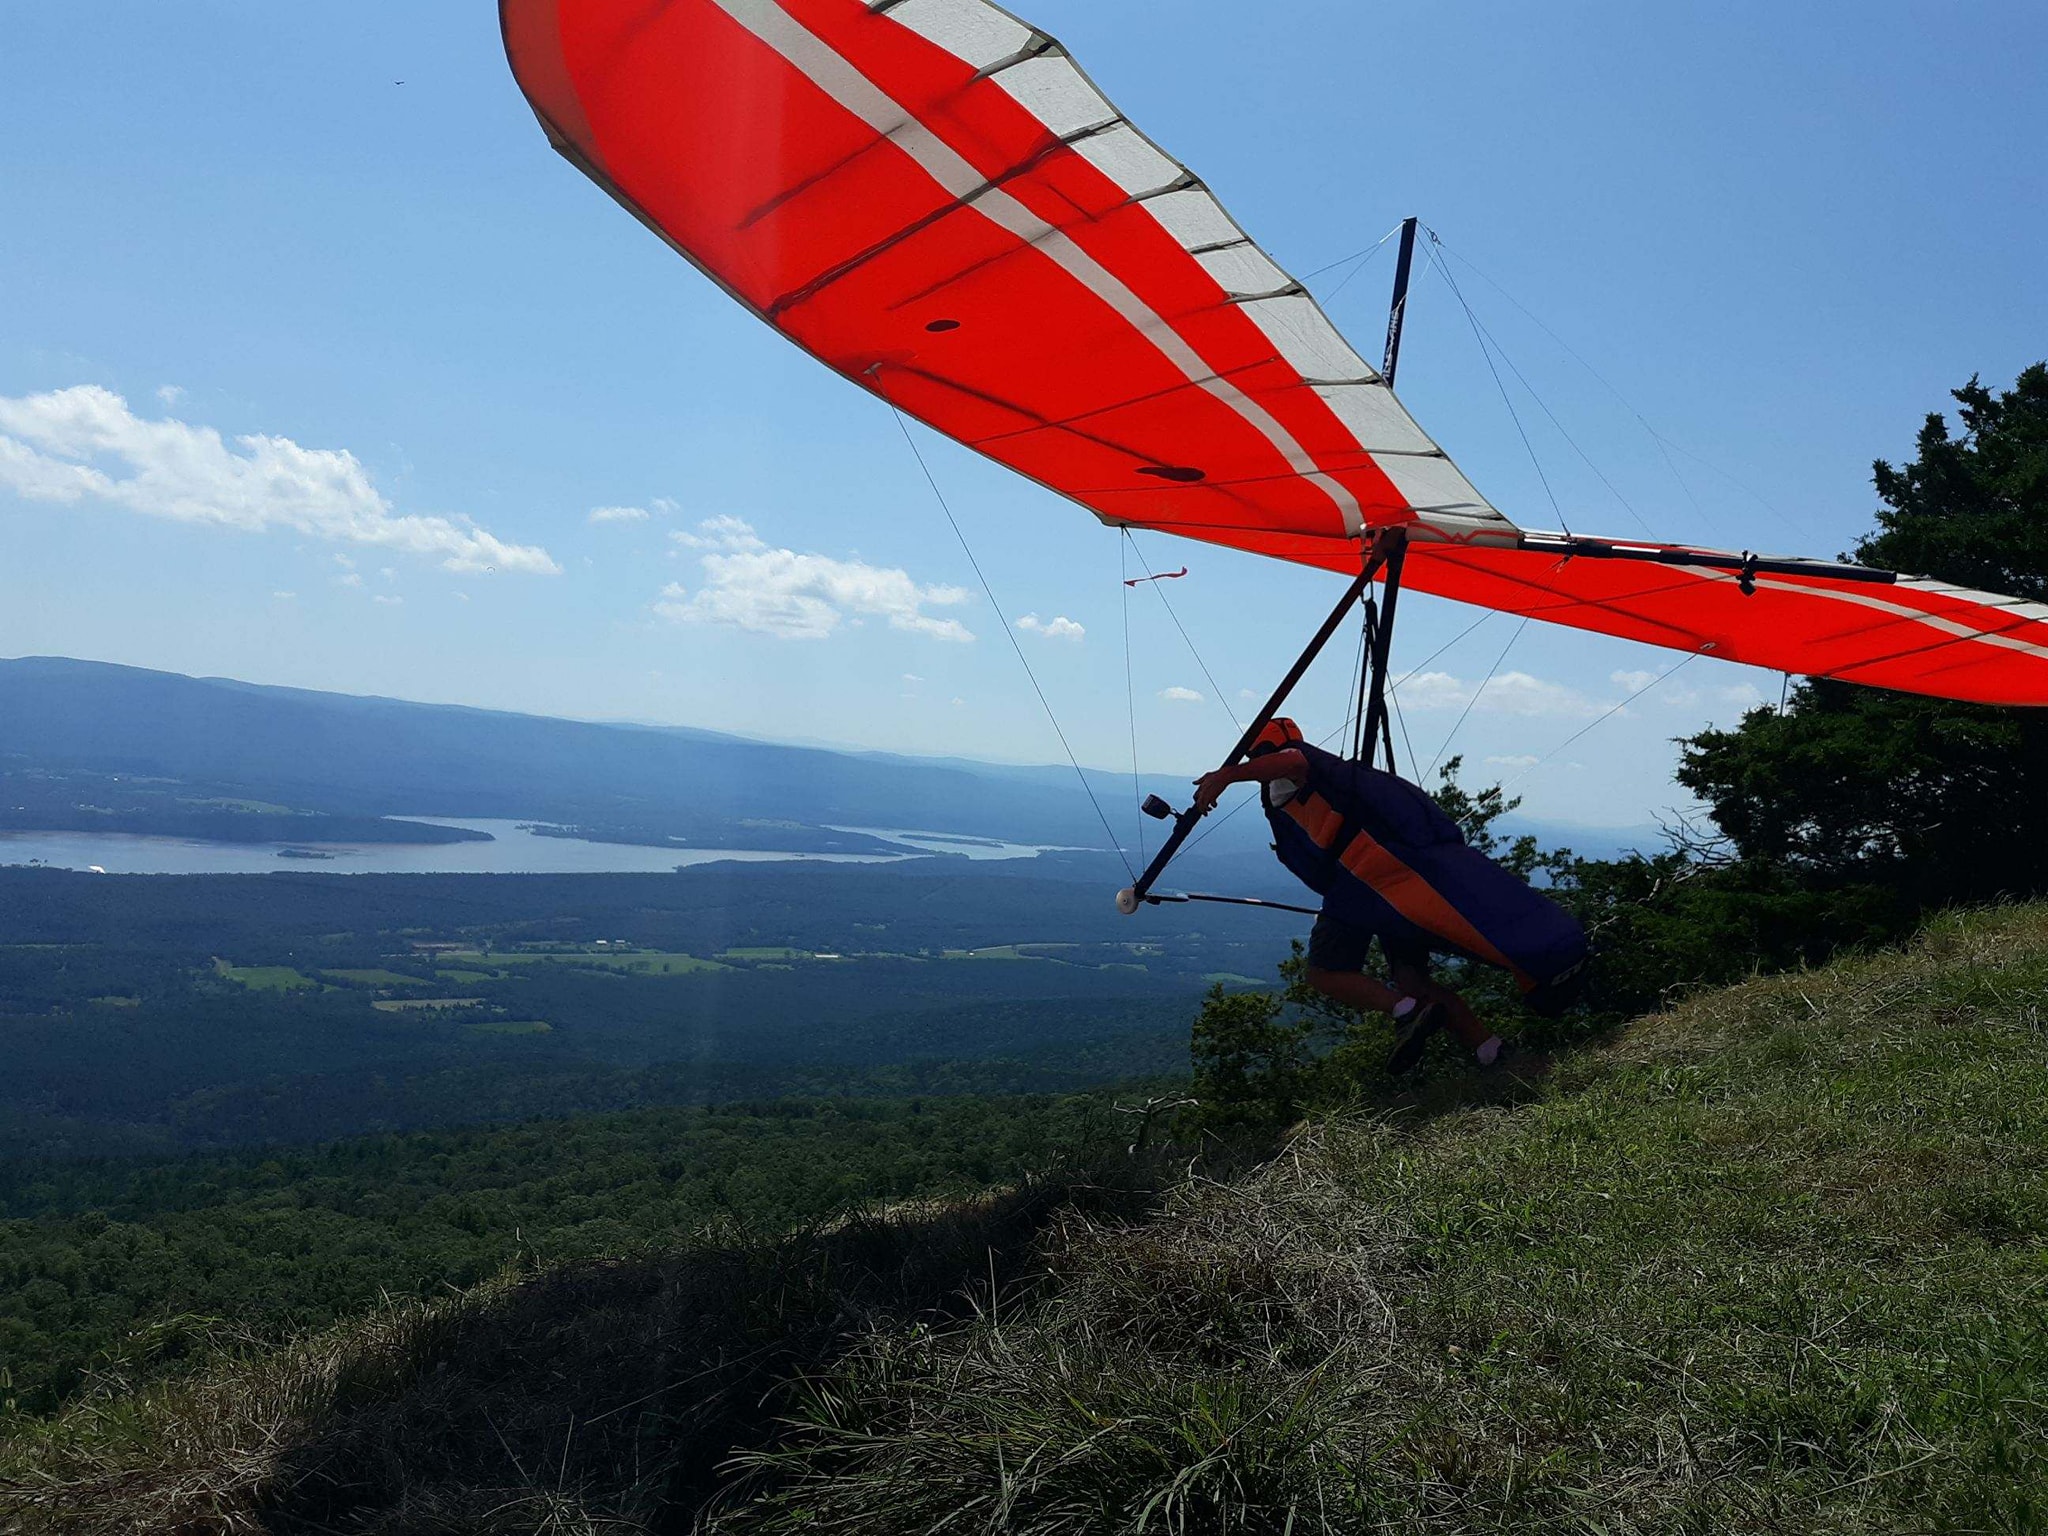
[{"x": 1335, "y": 945}]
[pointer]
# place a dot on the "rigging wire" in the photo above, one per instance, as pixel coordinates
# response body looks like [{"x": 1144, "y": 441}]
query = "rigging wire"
[
  {"x": 1664, "y": 444},
  {"x": 1396, "y": 685},
  {"x": 1043, "y": 703},
  {"x": 1158, "y": 586},
  {"x": 1394, "y": 699},
  {"x": 1683, "y": 662},
  {"x": 1799, "y": 528},
  {"x": 1544, "y": 405},
  {"x": 1123, "y": 570},
  {"x": 1486, "y": 352},
  {"x": 1356, "y": 680},
  {"x": 1360, "y": 256},
  {"x": 1331, "y": 296},
  {"x": 1456, "y": 725}
]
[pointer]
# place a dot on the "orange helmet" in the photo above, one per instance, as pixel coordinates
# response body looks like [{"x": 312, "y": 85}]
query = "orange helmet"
[{"x": 1280, "y": 733}]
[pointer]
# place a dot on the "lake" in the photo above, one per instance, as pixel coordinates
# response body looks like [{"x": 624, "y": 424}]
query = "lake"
[{"x": 513, "y": 851}]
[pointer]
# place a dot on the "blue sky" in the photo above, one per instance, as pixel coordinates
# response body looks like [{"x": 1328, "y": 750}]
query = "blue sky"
[{"x": 1777, "y": 234}]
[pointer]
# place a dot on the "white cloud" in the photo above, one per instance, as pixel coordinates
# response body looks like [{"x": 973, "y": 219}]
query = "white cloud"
[
  {"x": 1741, "y": 695},
  {"x": 351, "y": 579},
  {"x": 170, "y": 394},
  {"x": 387, "y": 600},
  {"x": 912, "y": 677},
  {"x": 1180, "y": 695},
  {"x": 1507, "y": 693},
  {"x": 462, "y": 597},
  {"x": 720, "y": 533},
  {"x": 346, "y": 562},
  {"x": 1060, "y": 627},
  {"x": 617, "y": 515},
  {"x": 84, "y": 443},
  {"x": 796, "y": 596},
  {"x": 1515, "y": 760},
  {"x": 1431, "y": 690},
  {"x": 1246, "y": 694},
  {"x": 284, "y": 597},
  {"x": 1632, "y": 682}
]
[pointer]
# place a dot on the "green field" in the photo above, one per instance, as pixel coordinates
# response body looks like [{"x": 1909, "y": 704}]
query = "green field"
[
  {"x": 639, "y": 962},
  {"x": 265, "y": 978},
  {"x": 657, "y": 964},
  {"x": 423, "y": 1004},
  {"x": 766, "y": 952},
  {"x": 379, "y": 978},
  {"x": 510, "y": 1027}
]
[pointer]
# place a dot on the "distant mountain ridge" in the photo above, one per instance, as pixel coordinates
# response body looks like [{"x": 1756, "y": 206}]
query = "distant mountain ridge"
[
  {"x": 350, "y": 755},
  {"x": 354, "y": 755}
]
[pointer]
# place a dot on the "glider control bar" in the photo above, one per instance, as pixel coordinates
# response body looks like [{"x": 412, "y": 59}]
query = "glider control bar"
[
  {"x": 1235, "y": 901},
  {"x": 1387, "y": 549}
]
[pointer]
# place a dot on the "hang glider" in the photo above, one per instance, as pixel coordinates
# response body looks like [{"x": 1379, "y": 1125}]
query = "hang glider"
[{"x": 931, "y": 198}]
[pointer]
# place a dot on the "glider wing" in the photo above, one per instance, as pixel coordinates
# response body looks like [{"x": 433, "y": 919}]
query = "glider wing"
[{"x": 932, "y": 199}]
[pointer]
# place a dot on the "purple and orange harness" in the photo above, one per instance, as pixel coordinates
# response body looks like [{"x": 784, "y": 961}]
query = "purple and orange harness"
[{"x": 1384, "y": 857}]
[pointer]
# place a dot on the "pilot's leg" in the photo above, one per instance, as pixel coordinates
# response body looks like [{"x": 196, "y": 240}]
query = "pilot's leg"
[
  {"x": 1411, "y": 975},
  {"x": 1337, "y": 955}
]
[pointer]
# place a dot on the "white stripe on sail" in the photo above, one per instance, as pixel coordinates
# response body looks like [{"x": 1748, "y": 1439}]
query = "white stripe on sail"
[
  {"x": 1044, "y": 79},
  {"x": 1934, "y": 621},
  {"x": 832, "y": 73},
  {"x": 1860, "y": 597}
]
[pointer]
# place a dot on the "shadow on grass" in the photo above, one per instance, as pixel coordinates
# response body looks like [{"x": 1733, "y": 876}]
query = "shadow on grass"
[
  {"x": 600, "y": 1395},
  {"x": 620, "y": 1388}
]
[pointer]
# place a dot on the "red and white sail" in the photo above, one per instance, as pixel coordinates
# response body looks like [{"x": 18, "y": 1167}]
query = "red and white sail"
[{"x": 932, "y": 199}]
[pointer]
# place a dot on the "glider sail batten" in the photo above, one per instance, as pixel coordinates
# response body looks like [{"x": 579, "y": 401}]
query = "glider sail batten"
[{"x": 932, "y": 199}]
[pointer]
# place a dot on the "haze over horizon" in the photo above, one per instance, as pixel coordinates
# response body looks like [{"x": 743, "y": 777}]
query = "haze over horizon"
[{"x": 338, "y": 378}]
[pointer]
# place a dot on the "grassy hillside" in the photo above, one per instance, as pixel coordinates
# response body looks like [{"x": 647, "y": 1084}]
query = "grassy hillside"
[{"x": 1775, "y": 1260}]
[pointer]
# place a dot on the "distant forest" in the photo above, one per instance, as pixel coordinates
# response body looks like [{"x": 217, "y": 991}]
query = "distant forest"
[{"x": 151, "y": 1013}]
